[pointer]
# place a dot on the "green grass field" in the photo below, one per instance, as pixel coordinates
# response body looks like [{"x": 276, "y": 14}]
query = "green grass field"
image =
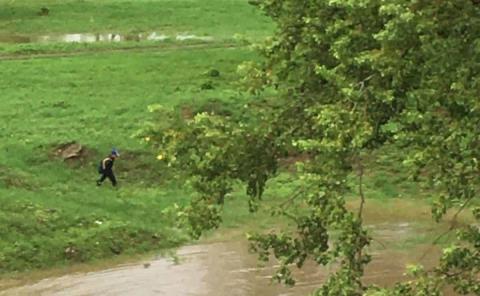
[
  {"x": 222, "y": 20},
  {"x": 218, "y": 18},
  {"x": 99, "y": 101},
  {"x": 52, "y": 212}
]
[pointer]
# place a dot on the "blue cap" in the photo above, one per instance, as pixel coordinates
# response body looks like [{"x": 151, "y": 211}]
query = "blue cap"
[{"x": 115, "y": 152}]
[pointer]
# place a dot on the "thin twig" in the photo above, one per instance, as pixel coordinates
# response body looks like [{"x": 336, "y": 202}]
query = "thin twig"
[
  {"x": 462, "y": 208},
  {"x": 360, "y": 188},
  {"x": 290, "y": 216},
  {"x": 362, "y": 83},
  {"x": 380, "y": 243},
  {"x": 299, "y": 192},
  {"x": 453, "y": 223}
]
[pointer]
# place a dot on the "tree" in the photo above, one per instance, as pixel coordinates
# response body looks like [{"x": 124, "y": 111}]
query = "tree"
[{"x": 351, "y": 76}]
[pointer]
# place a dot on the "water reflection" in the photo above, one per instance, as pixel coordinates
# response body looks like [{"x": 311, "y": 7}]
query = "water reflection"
[{"x": 99, "y": 37}]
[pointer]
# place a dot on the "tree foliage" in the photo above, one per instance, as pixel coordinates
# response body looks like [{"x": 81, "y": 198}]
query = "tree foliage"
[{"x": 351, "y": 76}]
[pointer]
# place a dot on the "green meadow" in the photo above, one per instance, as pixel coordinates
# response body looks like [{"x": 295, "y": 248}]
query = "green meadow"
[
  {"x": 224, "y": 21},
  {"x": 217, "y": 18},
  {"x": 99, "y": 101},
  {"x": 52, "y": 213}
]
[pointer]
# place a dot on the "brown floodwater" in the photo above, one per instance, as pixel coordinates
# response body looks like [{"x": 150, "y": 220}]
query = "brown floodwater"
[
  {"x": 98, "y": 37},
  {"x": 227, "y": 268}
]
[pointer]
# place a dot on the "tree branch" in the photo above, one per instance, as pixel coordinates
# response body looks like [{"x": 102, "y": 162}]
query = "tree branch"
[
  {"x": 360, "y": 188},
  {"x": 360, "y": 213},
  {"x": 453, "y": 223},
  {"x": 296, "y": 195}
]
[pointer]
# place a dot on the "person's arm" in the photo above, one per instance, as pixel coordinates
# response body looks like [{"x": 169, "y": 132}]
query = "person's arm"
[{"x": 105, "y": 163}]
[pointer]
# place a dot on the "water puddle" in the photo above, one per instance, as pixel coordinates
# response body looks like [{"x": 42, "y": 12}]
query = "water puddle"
[
  {"x": 226, "y": 269},
  {"x": 104, "y": 37}
]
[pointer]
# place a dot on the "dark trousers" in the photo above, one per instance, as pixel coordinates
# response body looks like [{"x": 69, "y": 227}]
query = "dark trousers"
[{"x": 108, "y": 175}]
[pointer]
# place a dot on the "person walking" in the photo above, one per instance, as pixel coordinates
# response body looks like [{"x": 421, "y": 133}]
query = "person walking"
[{"x": 105, "y": 168}]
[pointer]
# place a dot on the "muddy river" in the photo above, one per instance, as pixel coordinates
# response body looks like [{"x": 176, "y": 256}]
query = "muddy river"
[{"x": 228, "y": 268}]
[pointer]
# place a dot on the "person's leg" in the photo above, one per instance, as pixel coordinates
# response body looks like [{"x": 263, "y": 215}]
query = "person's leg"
[
  {"x": 102, "y": 178},
  {"x": 112, "y": 178}
]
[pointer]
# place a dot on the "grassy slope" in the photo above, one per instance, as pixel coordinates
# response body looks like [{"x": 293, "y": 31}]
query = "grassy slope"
[
  {"x": 99, "y": 101},
  {"x": 51, "y": 211}
]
